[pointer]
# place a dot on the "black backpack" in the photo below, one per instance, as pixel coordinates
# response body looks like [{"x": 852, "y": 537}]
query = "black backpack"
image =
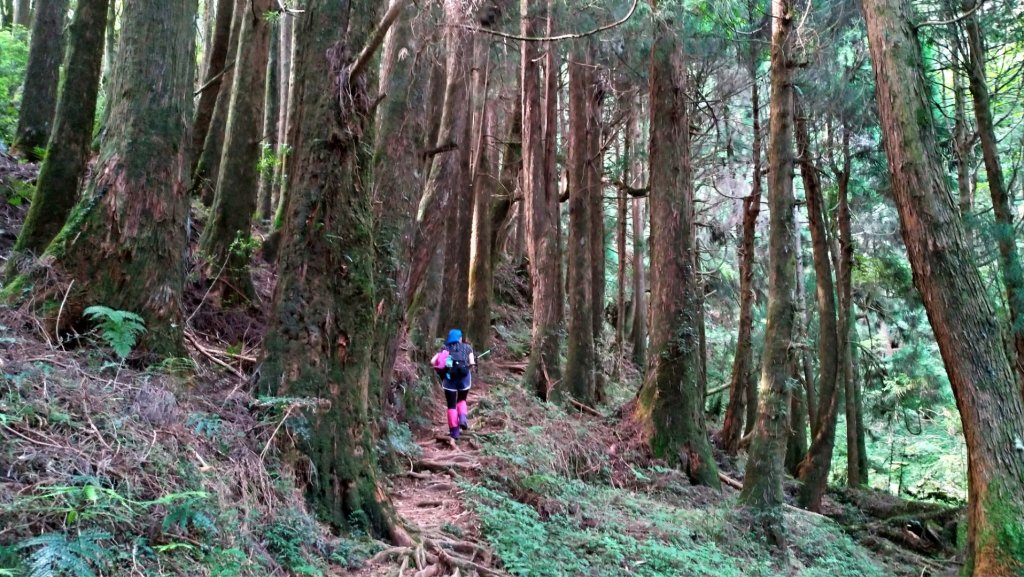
[{"x": 458, "y": 361}]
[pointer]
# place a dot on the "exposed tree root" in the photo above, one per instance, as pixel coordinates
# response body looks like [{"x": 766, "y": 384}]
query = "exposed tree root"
[{"x": 434, "y": 554}]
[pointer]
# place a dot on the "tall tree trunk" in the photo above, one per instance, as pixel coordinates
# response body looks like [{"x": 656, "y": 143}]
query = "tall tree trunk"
[
  {"x": 640, "y": 307},
  {"x": 816, "y": 466},
  {"x": 484, "y": 180},
  {"x": 622, "y": 211},
  {"x": 42, "y": 73},
  {"x": 803, "y": 360},
  {"x": 269, "y": 135},
  {"x": 856, "y": 476},
  {"x": 962, "y": 135},
  {"x": 64, "y": 167},
  {"x": 966, "y": 329},
  {"x": 441, "y": 192},
  {"x": 234, "y": 199},
  {"x": 7, "y": 13},
  {"x": 594, "y": 169},
  {"x": 743, "y": 358},
  {"x": 206, "y": 162},
  {"x": 762, "y": 485},
  {"x": 594, "y": 175},
  {"x": 109, "y": 55},
  {"x": 222, "y": 43},
  {"x": 325, "y": 292},
  {"x": 397, "y": 180},
  {"x": 796, "y": 445},
  {"x": 1010, "y": 260},
  {"x": 506, "y": 206},
  {"x": 23, "y": 13},
  {"x": 459, "y": 214},
  {"x": 671, "y": 401},
  {"x": 541, "y": 213},
  {"x": 124, "y": 243},
  {"x": 284, "y": 145},
  {"x": 580, "y": 363}
]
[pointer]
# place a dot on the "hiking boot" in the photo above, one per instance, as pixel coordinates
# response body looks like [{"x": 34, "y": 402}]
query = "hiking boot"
[
  {"x": 454, "y": 432},
  {"x": 463, "y": 422}
]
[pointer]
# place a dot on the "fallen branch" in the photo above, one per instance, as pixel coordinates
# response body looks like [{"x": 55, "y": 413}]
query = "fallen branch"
[
  {"x": 585, "y": 408},
  {"x": 209, "y": 354}
]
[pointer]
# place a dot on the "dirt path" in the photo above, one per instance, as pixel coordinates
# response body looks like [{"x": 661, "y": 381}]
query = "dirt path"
[{"x": 429, "y": 501}]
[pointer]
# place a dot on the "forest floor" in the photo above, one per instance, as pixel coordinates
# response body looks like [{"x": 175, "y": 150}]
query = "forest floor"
[{"x": 179, "y": 469}]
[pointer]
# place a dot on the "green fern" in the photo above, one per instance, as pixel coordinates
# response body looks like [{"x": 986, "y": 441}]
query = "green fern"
[
  {"x": 56, "y": 555},
  {"x": 119, "y": 329}
]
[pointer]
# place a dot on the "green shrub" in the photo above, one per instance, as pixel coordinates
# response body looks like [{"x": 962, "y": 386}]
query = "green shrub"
[{"x": 13, "y": 58}]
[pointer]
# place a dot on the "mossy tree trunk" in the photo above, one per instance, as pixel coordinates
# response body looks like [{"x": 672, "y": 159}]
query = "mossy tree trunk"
[
  {"x": 68, "y": 152},
  {"x": 1006, "y": 237},
  {"x": 671, "y": 400},
  {"x": 319, "y": 340},
  {"x": 580, "y": 363},
  {"x": 506, "y": 206},
  {"x": 234, "y": 199},
  {"x": 540, "y": 212},
  {"x": 966, "y": 329},
  {"x": 124, "y": 243},
  {"x": 762, "y": 484},
  {"x": 42, "y": 73},
  {"x": 743, "y": 357}
]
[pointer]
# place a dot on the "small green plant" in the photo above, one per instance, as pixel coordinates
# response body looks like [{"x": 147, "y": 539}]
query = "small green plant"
[
  {"x": 19, "y": 193},
  {"x": 57, "y": 555},
  {"x": 186, "y": 513},
  {"x": 244, "y": 246},
  {"x": 118, "y": 329}
]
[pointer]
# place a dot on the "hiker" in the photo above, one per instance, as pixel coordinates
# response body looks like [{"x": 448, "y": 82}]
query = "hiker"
[{"x": 453, "y": 364}]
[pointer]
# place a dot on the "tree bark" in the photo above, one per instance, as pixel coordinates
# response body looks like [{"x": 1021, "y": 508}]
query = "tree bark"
[
  {"x": 962, "y": 134},
  {"x": 234, "y": 200},
  {"x": 671, "y": 400},
  {"x": 1009, "y": 256},
  {"x": 506, "y": 206},
  {"x": 796, "y": 446},
  {"x": 762, "y": 485},
  {"x": 483, "y": 179},
  {"x": 818, "y": 462},
  {"x": 595, "y": 195},
  {"x": 580, "y": 362},
  {"x": 622, "y": 211},
  {"x": 223, "y": 41},
  {"x": 324, "y": 296},
  {"x": 42, "y": 73},
  {"x": 966, "y": 329},
  {"x": 459, "y": 214},
  {"x": 398, "y": 180},
  {"x": 442, "y": 190},
  {"x": 68, "y": 152},
  {"x": 541, "y": 214},
  {"x": 124, "y": 243},
  {"x": 743, "y": 357},
  {"x": 206, "y": 160}
]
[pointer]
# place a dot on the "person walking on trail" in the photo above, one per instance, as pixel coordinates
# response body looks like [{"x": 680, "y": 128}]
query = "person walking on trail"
[{"x": 454, "y": 364}]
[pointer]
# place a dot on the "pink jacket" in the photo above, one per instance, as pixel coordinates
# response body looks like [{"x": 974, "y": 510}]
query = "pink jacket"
[{"x": 440, "y": 360}]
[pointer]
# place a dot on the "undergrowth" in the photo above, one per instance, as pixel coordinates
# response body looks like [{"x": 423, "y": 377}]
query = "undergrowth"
[
  {"x": 555, "y": 500},
  {"x": 163, "y": 472}
]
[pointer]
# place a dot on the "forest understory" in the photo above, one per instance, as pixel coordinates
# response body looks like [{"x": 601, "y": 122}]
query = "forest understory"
[{"x": 181, "y": 469}]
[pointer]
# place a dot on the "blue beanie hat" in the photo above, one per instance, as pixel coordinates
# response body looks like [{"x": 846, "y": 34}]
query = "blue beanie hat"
[{"x": 454, "y": 336}]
